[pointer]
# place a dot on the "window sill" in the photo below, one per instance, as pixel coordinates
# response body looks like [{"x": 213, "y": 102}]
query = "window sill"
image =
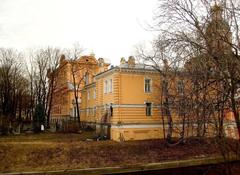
[{"x": 108, "y": 93}]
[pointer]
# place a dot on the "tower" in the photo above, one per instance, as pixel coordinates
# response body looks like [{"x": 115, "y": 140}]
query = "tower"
[{"x": 218, "y": 32}]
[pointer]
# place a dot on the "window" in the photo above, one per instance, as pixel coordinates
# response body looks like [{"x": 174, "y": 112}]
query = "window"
[
  {"x": 64, "y": 99},
  {"x": 94, "y": 94},
  {"x": 180, "y": 87},
  {"x": 147, "y": 85},
  {"x": 74, "y": 112},
  {"x": 87, "y": 78},
  {"x": 110, "y": 86},
  {"x": 111, "y": 110},
  {"x": 59, "y": 108},
  {"x": 181, "y": 111},
  {"x": 94, "y": 111},
  {"x": 148, "y": 109},
  {"x": 105, "y": 86},
  {"x": 181, "y": 107},
  {"x": 88, "y": 95},
  {"x": 87, "y": 111},
  {"x": 91, "y": 111},
  {"x": 166, "y": 110}
]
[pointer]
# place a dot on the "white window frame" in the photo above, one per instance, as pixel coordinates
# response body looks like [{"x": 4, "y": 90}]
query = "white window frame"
[
  {"x": 94, "y": 93},
  {"x": 91, "y": 111},
  {"x": 110, "y": 86},
  {"x": 88, "y": 95},
  {"x": 180, "y": 86},
  {"x": 150, "y": 85},
  {"x": 105, "y": 86},
  {"x": 86, "y": 78}
]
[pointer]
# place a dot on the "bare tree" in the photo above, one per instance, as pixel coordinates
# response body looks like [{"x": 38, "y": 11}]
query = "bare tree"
[
  {"x": 53, "y": 54},
  {"x": 79, "y": 73},
  {"x": 210, "y": 31},
  {"x": 42, "y": 84},
  {"x": 166, "y": 62},
  {"x": 13, "y": 86}
]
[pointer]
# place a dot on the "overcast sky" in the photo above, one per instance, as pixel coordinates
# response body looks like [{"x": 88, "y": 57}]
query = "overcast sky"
[{"x": 109, "y": 28}]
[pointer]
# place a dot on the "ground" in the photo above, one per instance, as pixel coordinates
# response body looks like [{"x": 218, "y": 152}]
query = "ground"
[{"x": 32, "y": 152}]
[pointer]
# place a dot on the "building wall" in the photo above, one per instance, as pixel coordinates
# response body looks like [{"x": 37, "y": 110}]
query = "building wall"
[
  {"x": 134, "y": 133},
  {"x": 88, "y": 107},
  {"x": 63, "y": 103},
  {"x": 127, "y": 98},
  {"x": 60, "y": 101},
  {"x": 132, "y": 107}
]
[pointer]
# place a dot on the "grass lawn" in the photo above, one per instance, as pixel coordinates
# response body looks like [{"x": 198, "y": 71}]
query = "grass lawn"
[{"x": 49, "y": 151}]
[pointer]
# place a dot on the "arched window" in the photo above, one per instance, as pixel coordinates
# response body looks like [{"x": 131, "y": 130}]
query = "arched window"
[{"x": 86, "y": 78}]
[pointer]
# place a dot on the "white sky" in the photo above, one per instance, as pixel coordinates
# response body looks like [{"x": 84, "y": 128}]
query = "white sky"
[{"x": 109, "y": 28}]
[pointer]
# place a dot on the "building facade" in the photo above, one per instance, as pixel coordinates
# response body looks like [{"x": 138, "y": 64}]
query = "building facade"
[
  {"x": 126, "y": 103},
  {"x": 125, "y": 99},
  {"x": 70, "y": 77}
]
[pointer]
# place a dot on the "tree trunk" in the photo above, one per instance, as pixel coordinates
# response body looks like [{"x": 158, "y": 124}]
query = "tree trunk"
[
  {"x": 78, "y": 112},
  {"x": 51, "y": 90},
  {"x": 170, "y": 122}
]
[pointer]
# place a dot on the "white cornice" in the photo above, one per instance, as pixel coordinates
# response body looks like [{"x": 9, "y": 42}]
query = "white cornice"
[{"x": 127, "y": 70}]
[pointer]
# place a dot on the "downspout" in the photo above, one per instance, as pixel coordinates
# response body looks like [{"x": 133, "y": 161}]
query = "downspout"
[{"x": 121, "y": 137}]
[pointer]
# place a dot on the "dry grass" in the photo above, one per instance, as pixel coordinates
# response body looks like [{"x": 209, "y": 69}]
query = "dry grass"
[
  {"x": 46, "y": 137},
  {"x": 67, "y": 151}
]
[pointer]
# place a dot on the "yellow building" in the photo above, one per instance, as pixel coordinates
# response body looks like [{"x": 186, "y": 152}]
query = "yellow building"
[
  {"x": 82, "y": 70},
  {"x": 124, "y": 102},
  {"x": 125, "y": 99}
]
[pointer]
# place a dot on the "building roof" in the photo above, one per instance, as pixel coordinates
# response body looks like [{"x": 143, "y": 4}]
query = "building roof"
[
  {"x": 128, "y": 68},
  {"x": 137, "y": 66}
]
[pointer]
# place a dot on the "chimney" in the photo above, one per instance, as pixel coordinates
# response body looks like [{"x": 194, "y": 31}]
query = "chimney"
[
  {"x": 122, "y": 61},
  {"x": 131, "y": 61},
  {"x": 100, "y": 62},
  {"x": 101, "y": 65}
]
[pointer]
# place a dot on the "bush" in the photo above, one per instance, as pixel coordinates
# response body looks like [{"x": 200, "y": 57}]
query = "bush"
[{"x": 4, "y": 125}]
